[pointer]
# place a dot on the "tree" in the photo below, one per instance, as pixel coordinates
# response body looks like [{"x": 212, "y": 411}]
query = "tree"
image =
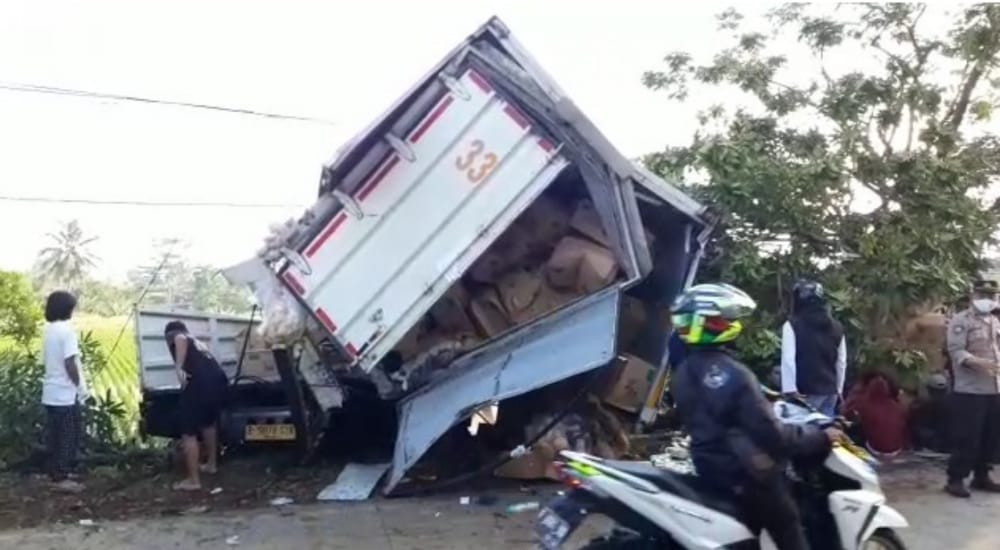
[
  {"x": 20, "y": 315},
  {"x": 104, "y": 298},
  {"x": 871, "y": 179},
  {"x": 170, "y": 280},
  {"x": 68, "y": 260}
]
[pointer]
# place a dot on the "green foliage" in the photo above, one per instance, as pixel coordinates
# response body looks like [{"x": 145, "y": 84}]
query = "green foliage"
[
  {"x": 19, "y": 312},
  {"x": 108, "y": 426},
  {"x": 103, "y": 298},
  {"x": 170, "y": 280},
  {"x": 868, "y": 180}
]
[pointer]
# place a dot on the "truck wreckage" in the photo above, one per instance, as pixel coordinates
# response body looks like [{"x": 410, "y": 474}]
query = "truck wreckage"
[{"x": 479, "y": 241}]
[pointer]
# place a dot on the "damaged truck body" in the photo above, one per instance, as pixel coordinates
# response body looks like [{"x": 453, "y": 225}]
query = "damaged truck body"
[{"x": 478, "y": 241}]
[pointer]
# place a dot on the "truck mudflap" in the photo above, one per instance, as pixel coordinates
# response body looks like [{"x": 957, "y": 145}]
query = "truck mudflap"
[{"x": 570, "y": 341}]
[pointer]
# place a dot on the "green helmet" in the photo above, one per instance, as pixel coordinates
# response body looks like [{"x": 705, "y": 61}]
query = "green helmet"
[{"x": 710, "y": 313}]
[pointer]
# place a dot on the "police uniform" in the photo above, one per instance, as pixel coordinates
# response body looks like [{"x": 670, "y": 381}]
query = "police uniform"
[{"x": 975, "y": 406}]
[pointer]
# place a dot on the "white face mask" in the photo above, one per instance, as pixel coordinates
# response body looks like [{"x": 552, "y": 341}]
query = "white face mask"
[{"x": 984, "y": 305}]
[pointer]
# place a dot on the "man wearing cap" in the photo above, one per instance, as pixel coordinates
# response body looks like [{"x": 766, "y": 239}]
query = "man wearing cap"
[{"x": 974, "y": 349}]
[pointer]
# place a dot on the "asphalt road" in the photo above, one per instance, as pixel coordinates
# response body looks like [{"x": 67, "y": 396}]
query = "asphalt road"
[{"x": 937, "y": 522}]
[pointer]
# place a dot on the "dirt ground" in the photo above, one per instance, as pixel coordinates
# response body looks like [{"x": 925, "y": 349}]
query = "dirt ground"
[{"x": 241, "y": 518}]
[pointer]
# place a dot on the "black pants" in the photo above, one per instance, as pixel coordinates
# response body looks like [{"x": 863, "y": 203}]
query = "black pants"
[
  {"x": 64, "y": 427},
  {"x": 770, "y": 506},
  {"x": 975, "y": 430}
]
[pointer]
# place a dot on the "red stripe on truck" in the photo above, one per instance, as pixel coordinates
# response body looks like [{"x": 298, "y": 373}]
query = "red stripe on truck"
[
  {"x": 326, "y": 234},
  {"x": 294, "y": 283},
  {"x": 326, "y": 320},
  {"x": 546, "y": 145},
  {"x": 431, "y": 119},
  {"x": 351, "y": 349},
  {"x": 371, "y": 184},
  {"x": 480, "y": 82},
  {"x": 516, "y": 115}
]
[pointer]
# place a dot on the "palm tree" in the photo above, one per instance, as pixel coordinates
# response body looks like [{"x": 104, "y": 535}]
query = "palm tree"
[{"x": 67, "y": 260}]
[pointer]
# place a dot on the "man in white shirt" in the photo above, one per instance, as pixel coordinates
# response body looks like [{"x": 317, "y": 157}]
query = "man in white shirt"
[
  {"x": 813, "y": 350},
  {"x": 64, "y": 388}
]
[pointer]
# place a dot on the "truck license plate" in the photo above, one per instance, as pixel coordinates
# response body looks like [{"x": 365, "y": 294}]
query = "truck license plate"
[{"x": 269, "y": 432}]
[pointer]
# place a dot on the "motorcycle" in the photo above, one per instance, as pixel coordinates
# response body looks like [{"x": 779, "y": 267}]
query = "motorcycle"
[{"x": 839, "y": 497}]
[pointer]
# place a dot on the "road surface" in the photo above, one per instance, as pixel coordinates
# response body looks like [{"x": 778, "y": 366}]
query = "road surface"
[{"x": 938, "y": 522}]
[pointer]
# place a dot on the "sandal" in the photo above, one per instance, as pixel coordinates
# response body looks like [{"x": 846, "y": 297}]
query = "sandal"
[
  {"x": 205, "y": 469},
  {"x": 186, "y": 485}
]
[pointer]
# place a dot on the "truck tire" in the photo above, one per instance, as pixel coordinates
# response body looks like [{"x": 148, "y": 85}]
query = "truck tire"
[{"x": 884, "y": 539}]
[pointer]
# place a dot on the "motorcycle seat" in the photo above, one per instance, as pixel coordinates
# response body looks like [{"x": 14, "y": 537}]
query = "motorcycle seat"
[{"x": 688, "y": 487}]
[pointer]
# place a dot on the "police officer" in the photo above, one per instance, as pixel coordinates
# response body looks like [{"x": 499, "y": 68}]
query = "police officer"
[
  {"x": 738, "y": 446},
  {"x": 974, "y": 349}
]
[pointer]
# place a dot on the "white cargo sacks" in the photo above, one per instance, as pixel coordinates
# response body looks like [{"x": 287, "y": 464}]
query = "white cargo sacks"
[{"x": 283, "y": 319}]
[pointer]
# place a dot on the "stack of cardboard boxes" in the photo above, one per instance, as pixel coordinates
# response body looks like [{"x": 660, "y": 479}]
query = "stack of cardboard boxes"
[{"x": 551, "y": 255}]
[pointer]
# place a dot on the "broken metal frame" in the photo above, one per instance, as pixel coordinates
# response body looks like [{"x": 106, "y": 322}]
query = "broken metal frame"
[{"x": 579, "y": 332}]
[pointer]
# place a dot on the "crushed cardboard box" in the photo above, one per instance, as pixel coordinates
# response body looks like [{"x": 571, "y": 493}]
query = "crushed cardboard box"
[
  {"x": 546, "y": 220},
  {"x": 488, "y": 313},
  {"x": 581, "y": 266},
  {"x": 449, "y": 312},
  {"x": 629, "y": 383},
  {"x": 526, "y": 295},
  {"x": 587, "y": 221}
]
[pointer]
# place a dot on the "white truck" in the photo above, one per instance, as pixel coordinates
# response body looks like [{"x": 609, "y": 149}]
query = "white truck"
[{"x": 484, "y": 203}]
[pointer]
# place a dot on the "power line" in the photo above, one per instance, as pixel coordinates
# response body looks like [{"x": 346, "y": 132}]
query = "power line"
[
  {"x": 149, "y": 285},
  {"x": 148, "y": 203},
  {"x": 53, "y": 90}
]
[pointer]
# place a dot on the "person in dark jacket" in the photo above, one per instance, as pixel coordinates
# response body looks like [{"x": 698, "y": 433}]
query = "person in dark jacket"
[
  {"x": 203, "y": 395},
  {"x": 738, "y": 446},
  {"x": 813, "y": 350}
]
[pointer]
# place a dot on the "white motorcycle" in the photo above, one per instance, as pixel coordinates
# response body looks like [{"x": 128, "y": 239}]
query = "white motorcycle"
[{"x": 840, "y": 501}]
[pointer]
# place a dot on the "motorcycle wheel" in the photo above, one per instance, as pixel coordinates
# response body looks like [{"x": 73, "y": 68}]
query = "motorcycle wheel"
[{"x": 884, "y": 539}]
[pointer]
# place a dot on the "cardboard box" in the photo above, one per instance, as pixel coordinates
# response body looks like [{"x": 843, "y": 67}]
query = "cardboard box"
[
  {"x": 598, "y": 269},
  {"x": 546, "y": 220},
  {"x": 526, "y": 296},
  {"x": 563, "y": 268},
  {"x": 537, "y": 464},
  {"x": 449, "y": 312},
  {"x": 587, "y": 222},
  {"x": 409, "y": 346},
  {"x": 629, "y": 383},
  {"x": 514, "y": 247},
  {"x": 488, "y": 267},
  {"x": 580, "y": 265},
  {"x": 488, "y": 313}
]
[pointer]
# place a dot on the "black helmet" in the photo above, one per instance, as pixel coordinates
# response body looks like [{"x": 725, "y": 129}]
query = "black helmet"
[{"x": 806, "y": 291}]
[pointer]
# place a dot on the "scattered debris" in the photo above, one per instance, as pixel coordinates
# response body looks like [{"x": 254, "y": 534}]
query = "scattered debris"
[
  {"x": 215, "y": 491},
  {"x": 233, "y": 540},
  {"x": 676, "y": 456},
  {"x": 355, "y": 482},
  {"x": 195, "y": 510},
  {"x": 87, "y": 523},
  {"x": 486, "y": 415},
  {"x": 486, "y": 500},
  {"x": 464, "y": 501},
  {"x": 522, "y": 507},
  {"x": 281, "y": 501}
]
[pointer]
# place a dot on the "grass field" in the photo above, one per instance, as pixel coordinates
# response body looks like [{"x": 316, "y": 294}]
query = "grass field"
[{"x": 120, "y": 377}]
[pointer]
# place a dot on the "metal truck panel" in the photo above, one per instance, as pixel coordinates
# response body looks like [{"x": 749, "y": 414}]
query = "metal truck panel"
[
  {"x": 422, "y": 217},
  {"x": 221, "y": 333},
  {"x": 571, "y": 341}
]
